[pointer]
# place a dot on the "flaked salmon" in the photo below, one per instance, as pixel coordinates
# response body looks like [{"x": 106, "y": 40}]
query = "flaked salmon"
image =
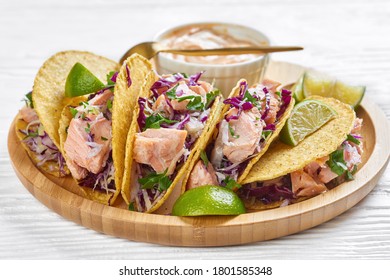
[
  {"x": 304, "y": 185},
  {"x": 162, "y": 106},
  {"x": 88, "y": 145},
  {"x": 101, "y": 99},
  {"x": 357, "y": 126},
  {"x": 202, "y": 175},
  {"x": 273, "y": 110},
  {"x": 271, "y": 85},
  {"x": 28, "y": 114},
  {"x": 159, "y": 148},
  {"x": 244, "y": 135}
]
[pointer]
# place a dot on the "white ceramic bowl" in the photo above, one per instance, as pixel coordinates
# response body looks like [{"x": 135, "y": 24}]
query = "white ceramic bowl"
[{"x": 225, "y": 76}]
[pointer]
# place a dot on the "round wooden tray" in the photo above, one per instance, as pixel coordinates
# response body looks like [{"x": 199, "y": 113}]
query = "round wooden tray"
[{"x": 64, "y": 197}]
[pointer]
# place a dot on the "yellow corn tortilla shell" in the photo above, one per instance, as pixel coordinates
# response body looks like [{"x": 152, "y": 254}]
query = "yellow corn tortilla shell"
[
  {"x": 282, "y": 159},
  {"x": 130, "y": 179},
  {"x": 49, "y": 85},
  {"x": 278, "y": 127},
  {"x": 49, "y": 167},
  {"x": 123, "y": 106}
]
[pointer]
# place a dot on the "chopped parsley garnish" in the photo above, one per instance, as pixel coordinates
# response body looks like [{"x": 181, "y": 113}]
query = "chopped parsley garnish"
[
  {"x": 88, "y": 128},
  {"x": 31, "y": 134},
  {"x": 103, "y": 138},
  {"x": 248, "y": 97},
  {"x": 204, "y": 158},
  {"x": 131, "y": 206},
  {"x": 352, "y": 139},
  {"x": 278, "y": 93},
  {"x": 232, "y": 132},
  {"x": 155, "y": 121},
  {"x": 172, "y": 92},
  {"x": 231, "y": 184},
  {"x": 210, "y": 97},
  {"x": 338, "y": 165},
  {"x": 73, "y": 111},
  {"x": 109, "y": 77},
  {"x": 195, "y": 104},
  {"x": 161, "y": 181},
  {"x": 28, "y": 100},
  {"x": 265, "y": 134},
  {"x": 109, "y": 104}
]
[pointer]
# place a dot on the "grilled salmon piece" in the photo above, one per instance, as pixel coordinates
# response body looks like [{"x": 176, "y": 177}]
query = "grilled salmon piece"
[
  {"x": 91, "y": 155},
  {"x": 304, "y": 185},
  {"x": 244, "y": 135},
  {"x": 160, "y": 148},
  {"x": 28, "y": 114},
  {"x": 202, "y": 175}
]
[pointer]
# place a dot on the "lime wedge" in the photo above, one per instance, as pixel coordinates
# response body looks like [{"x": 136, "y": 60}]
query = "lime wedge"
[
  {"x": 306, "y": 117},
  {"x": 208, "y": 200},
  {"x": 318, "y": 84},
  {"x": 81, "y": 81},
  {"x": 297, "y": 90},
  {"x": 351, "y": 95}
]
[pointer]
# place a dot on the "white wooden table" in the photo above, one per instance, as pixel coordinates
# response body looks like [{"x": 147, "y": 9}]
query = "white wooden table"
[{"x": 348, "y": 39}]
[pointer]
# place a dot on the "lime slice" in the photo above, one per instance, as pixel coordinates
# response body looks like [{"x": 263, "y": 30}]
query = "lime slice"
[
  {"x": 317, "y": 84},
  {"x": 351, "y": 95},
  {"x": 208, "y": 200},
  {"x": 81, "y": 81},
  {"x": 297, "y": 90},
  {"x": 306, "y": 117}
]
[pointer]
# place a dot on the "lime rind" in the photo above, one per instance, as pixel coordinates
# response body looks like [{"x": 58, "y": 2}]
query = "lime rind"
[
  {"x": 307, "y": 117},
  {"x": 208, "y": 200},
  {"x": 81, "y": 81}
]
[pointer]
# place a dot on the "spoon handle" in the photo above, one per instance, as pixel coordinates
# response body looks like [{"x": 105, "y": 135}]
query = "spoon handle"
[{"x": 227, "y": 51}]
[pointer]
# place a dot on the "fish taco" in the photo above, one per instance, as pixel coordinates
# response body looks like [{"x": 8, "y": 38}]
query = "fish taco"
[
  {"x": 37, "y": 122},
  {"x": 38, "y": 144},
  {"x": 323, "y": 160},
  {"x": 92, "y": 129},
  {"x": 174, "y": 118},
  {"x": 251, "y": 119}
]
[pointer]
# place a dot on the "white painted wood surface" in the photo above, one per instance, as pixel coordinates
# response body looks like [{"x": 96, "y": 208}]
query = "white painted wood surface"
[{"x": 348, "y": 39}]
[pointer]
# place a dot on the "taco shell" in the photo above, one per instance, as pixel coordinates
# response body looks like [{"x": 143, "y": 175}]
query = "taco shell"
[{"x": 123, "y": 107}]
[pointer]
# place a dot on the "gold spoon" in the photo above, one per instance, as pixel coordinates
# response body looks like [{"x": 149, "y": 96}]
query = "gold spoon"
[{"x": 150, "y": 49}]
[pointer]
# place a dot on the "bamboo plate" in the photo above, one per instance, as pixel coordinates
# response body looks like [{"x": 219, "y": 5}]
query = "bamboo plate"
[{"x": 63, "y": 196}]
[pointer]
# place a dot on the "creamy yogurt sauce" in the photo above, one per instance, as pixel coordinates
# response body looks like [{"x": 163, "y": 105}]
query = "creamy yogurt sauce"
[{"x": 205, "y": 37}]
